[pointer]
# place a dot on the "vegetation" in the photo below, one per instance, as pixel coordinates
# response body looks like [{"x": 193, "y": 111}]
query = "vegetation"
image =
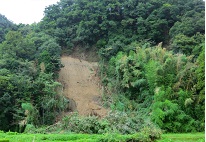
[
  {"x": 116, "y": 122},
  {"x": 113, "y": 24},
  {"x": 29, "y": 63},
  {"x": 152, "y": 69},
  {"x": 5, "y": 27},
  {"x": 16, "y": 137},
  {"x": 189, "y": 137},
  {"x": 162, "y": 82}
]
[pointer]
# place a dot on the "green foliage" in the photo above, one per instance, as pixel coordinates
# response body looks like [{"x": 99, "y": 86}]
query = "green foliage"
[
  {"x": 118, "y": 122},
  {"x": 47, "y": 100},
  {"x": 161, "y": 81},
  {"x": 89, "y": 125},
  {"x": 49, "y": 56},
  {"x": 188, "y": 45},
  {"x": 5, "y": 26},
  {"x": 191, "y": 23},
  {"x": 201, "y": 75},
  {"x": 24, "y": 84},
  {"x": 108, "y": 23},
  {"x": 150, "y": 70},
  {"x": 149, "y": 134},
  {"x": 170, "y": 117},
  {"x": 69, "y": 137},
  {"x": 189, "y": 137},
  {"x": 31, "y": 113},
  {"x": 18, "y": 46},
  {"x": 168, "y": 87}
]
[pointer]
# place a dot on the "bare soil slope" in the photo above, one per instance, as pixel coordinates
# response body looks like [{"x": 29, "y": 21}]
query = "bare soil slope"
[{"x": 81, "y": 86}]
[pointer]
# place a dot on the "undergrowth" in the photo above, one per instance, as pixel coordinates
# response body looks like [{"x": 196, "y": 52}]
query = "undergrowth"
[
  {"x": 108, "y": 137},
  {"x": 69, "y": 137},
  {"x": 120, "y": 124}
]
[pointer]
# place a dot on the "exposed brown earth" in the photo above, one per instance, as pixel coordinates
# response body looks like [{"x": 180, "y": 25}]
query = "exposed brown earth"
[{"x": 81, "y": 86}]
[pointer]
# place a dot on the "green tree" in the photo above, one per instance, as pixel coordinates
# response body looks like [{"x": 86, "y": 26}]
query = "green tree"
[{"x": 5, "y": 26}]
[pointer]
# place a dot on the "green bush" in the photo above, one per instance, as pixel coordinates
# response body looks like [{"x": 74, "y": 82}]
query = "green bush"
[
  {"x": 115, "y": 122},
  {"x": 89, "y": 125},
  {"x": 150, "y": 134}
]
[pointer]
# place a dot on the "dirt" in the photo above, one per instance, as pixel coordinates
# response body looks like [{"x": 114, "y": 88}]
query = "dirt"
[{"x": 81, "y": 86}]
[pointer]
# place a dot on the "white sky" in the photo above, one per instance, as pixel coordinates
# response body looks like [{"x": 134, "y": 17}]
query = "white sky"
[{"x": 24, "y": 11}]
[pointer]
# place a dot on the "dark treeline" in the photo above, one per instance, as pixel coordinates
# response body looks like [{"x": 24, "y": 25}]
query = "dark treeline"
[{"x": 152, "y": 60}]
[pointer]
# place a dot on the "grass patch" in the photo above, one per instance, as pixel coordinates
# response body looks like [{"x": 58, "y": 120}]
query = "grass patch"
[
  {"x": 17, "y": 137},
  {"x": 188, "y": 137}
]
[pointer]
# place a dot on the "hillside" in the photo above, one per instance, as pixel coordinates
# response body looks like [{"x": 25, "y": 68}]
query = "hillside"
[
  {"x": 81, "y": 85},
  {"x": 151, "y": 66}
]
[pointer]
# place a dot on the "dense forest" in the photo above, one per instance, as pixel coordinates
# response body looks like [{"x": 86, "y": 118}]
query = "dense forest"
[{"x": 151, "y": 60}]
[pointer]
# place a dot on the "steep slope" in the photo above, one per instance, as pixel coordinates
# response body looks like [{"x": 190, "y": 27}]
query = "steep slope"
[{"x": 81, "y": 86}]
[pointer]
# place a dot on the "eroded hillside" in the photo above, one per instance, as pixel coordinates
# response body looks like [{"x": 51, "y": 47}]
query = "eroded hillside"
[{"x": 81, "y": 86}]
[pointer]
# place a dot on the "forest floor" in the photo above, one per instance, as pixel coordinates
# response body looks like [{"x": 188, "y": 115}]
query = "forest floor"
[{"x": 81, "y": 86}]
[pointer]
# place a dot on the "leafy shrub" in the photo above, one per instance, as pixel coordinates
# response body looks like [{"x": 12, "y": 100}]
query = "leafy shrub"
[
  {"x": 115, "y": 122},
  {"x": 29, "y": 128},
  {"x": 90, "y": 125},
  {"x": 150, "y": 134}
]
